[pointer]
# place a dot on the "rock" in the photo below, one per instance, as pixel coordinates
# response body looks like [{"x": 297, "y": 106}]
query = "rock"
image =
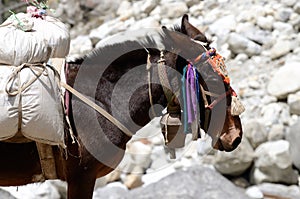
[
  {"x": 133, "y": 181},
  {"x": 289, "y": 3},
  {"x": 265, "y": 23},
  {"x": 280, "y": 48},
  {"x": 254, "y": 33},
  {"x": 80, "y": 46},
  {"x": 276, "y": 132},
  {"x": 149, "y": 22},
  {"x": 61, "y": 187},
  {"x": 6, "y": 194},
  {"x": 110, "y": 193},
  {"x": 125, "y": 10},
  {"x": 256, "y": 132},
  {"x": 280, "y": 191},
  {"x": 140, "y": 153},
  {"x": 283, "y": 14},
  {"x": 235, "y": 162},
  {"x": 105, "y": 30},
  {"x": 195, "y": 182},
  {"x": 287, "y": 74},
  {"x": 254, "y": 192},
  {"x": 172, "y": 9},
  {"x": 240, "y": 44},
  {"x": 294, "y": 103},
  {"x": 274, "y": 113},
  {"x": 204, "y": 145},
  {"x": 297, "y": 7},
  {"x": 36, "y": 191},
  {"x": 223, "y": 26},
  {"x": 293, "y": 136},
  {"x": 283, "y": 28},
  {"x": 148, "y": 6},
  {"x": 274, "y": 164}
]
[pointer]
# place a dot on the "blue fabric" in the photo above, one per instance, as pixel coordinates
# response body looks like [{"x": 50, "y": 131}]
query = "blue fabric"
[{"x": 185, "y": 116}]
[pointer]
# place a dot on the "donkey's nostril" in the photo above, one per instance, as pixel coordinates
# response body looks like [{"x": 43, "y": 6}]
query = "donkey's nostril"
[{"x": 236, "y": 142}]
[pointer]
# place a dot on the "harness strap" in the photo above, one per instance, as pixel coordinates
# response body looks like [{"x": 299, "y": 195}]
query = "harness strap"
[
  {"x": 148, "y": 67},
  {"x": 98, "y": 109},
  {"x": 172, "y": 106},
  {"x": 163, "y": 77}
]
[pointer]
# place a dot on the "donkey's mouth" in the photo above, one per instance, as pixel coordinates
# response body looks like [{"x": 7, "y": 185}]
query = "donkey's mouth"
[{"x": 228, "y": 141}]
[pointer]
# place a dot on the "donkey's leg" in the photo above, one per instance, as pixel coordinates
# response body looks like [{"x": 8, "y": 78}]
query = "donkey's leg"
[{"x": 81, "y": 185}]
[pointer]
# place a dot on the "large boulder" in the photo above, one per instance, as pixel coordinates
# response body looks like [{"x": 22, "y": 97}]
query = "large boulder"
[
  {"x": 285, "y": 80},
  {"x": 240, "y": 44},
  {"x": 294, "y": 103},
  {"x": 280, "y": 191},
  {"x": 274, "y": 164},
  {"x": 235, "y": 162},
  {"x": 256, "y": 132},
  {"x": 293, "y": 137},
  {"x": 6, "y": 194},
  {"x": 194, "y": 182}
]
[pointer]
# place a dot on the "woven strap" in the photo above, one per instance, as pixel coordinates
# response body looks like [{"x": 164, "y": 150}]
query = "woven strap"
[
  {"x": 149, "y": 67},
  {"x": 173, "y": 104},
  {"x": 98, "y": 109}
]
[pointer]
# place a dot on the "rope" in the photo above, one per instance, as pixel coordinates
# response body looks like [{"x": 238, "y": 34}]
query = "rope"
[{"x": 37, "y": 69}]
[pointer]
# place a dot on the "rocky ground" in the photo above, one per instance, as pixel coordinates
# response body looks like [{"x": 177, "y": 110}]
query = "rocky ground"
[{"x": 260, "y": 40}]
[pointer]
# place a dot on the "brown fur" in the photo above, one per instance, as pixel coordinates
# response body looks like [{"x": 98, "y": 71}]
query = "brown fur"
[{"x": 79, "y": 168}]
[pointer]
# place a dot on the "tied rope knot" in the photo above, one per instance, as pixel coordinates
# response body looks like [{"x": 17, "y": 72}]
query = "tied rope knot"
[{"x": 37, "y": 69}]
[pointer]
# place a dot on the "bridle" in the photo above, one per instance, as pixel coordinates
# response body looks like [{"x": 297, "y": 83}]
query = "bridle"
[{"x": 218, "y": 65}]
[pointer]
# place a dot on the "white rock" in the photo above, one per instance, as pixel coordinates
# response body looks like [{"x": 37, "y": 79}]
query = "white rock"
[
  {"x": 106, "y": 29},
  {"x": 289, "y": 3},
  {"x": 140, "y": 153},
  {"x": 271, "y": 114},
  {"x": 294, "y": 103},
  {"x": 293, "y": 136},
  {"x": 276, "y": 132},
  {"x": 283, "y": 14},
  {"x": 265, "y": 22},
  {"x": 280, "y": 191},
  {"x": 255, "y": 132},
  {"x": 235, "y": 162},
  {"x": 81, "y": 45},
  {"x": 297, "y": 7},
  {"x": 149, "y": 22},
  {"x": 173, "y": 9},
  {"x": 240, "y": 44},
  {"x": 254, "y": 192},
  {"x": 273, "y": 163},
  {"x": 148, "y": 6},
  {"x": 125, "y": 9},
  {"x": 289, "y": 74},
  {"x": 282, "y": 27},
  {"x": 280, "y": 48},
  {"x": 223, "y": 26}
]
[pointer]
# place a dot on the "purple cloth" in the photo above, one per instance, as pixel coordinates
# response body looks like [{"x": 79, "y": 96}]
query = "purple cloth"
[{"x": 191, "y": 98}]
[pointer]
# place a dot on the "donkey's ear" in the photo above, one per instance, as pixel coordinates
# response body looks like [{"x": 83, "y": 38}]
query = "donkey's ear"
[{"x": 189, "y": 29}]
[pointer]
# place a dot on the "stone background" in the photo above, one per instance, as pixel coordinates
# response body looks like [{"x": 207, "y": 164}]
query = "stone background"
[{"x": 260, "y": 40}]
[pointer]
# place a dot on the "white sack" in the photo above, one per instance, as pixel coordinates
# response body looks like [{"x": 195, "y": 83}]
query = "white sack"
[
  {"x": 49, "y": 38},
  {"x": 42, "y": 112}
]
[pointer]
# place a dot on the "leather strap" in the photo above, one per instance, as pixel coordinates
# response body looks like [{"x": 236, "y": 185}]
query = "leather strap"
[{"x": 98, "y": 109}]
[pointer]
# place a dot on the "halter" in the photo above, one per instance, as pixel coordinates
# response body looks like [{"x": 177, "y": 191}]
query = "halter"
[{"x": 218, "y": 65}]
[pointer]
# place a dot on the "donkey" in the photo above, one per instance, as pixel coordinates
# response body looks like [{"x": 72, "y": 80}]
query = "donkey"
[{"x": 99, "y": 145}]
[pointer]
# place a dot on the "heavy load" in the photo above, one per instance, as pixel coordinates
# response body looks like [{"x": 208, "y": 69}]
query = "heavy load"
[
  {"x": 27, "y": 39},
  {"x": 30, "y": 94}
]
